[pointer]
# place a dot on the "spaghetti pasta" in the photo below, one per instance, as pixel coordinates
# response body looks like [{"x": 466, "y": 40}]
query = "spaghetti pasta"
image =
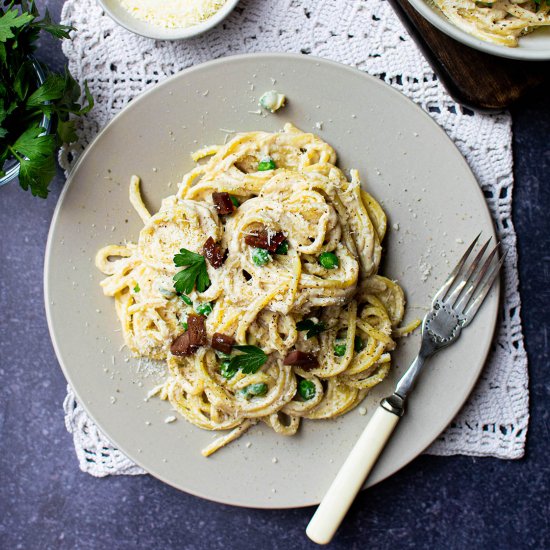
[
  {"x": 324, "y": 278},
  {"x": 501, "y": 22}
]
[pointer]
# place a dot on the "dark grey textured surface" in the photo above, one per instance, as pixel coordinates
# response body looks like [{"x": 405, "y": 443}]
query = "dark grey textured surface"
[{"x": 457, "y": 502}]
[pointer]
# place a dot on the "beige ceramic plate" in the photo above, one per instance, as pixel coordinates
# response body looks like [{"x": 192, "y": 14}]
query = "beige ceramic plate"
[{"x": 406, "y": 161}]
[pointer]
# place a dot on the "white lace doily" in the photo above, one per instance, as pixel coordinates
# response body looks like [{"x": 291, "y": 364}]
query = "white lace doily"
[{"x": 365, "y": 34}]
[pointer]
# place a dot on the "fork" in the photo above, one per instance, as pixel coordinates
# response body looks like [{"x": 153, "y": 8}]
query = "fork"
[{"x": 453, "y": 308}]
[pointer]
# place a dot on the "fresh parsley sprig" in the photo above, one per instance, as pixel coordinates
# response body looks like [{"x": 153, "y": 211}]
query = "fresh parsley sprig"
[
  {"x": 194, "y": 275},
  {"x": 312, "y": 328},
  {"x": 23, "y": 102},
  {"x": 249, "y": 360}
]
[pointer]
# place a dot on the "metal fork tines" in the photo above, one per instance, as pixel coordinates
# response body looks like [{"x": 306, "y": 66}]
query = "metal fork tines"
[
  {"x": 453, "y": 308},
  {"x": 467, "y": 286}
]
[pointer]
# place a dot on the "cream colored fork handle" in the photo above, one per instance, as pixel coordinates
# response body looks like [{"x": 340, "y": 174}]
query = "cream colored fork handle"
[{"x": 351, "y": 476}]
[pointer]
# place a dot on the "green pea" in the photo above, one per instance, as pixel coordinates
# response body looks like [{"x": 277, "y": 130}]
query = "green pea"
[
  {"x": 253, "y": 390},
  {"x": 340, "y": 350},
  {"x": 329, "y": 260},
  {"x": 358, "y": 344},
  {"x": 266, "y": 164},
  {"x": 306, "y": 389},
  {"x": 186, "y": 299},
  {"x": 260, "y": 256},
  {"x": 204, "y": 309},
  {"x": 235, "y": 201},
  {"x": 282, "y": 248},
  {"x": 226, "y": 370}
]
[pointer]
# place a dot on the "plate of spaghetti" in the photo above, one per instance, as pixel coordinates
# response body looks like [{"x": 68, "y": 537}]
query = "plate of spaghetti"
[
  {"x": 230, "y": 290},
  {"x": 517, "y": 29}
]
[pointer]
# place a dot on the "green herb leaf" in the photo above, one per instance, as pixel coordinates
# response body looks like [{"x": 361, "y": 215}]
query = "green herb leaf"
[
  {"x": 136, "y": 288},
  {"x": 3, "y": 112},
  {"x": 23, "y": 80},
  {"x": 32, "y": 144},
  {"x": 186, "y": 257},
  {"x": 53, "y": 88},
  {"x": 66, "y": 131},
  {"x": 55, "y": 29},
  {"x": 194, "y": 275},
  {"x": 89, "y": 99},
  {"x": 25, "y": 101},
  {"x": 13, "y": 20},
  {"x": 312, "y": 328},
  {"x": 36, "y": 174},
  {"x": 249, "y": 360},
  {"x": 3, "y": 54}
]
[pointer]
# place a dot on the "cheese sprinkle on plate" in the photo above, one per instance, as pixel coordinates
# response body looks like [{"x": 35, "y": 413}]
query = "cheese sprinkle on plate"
[{"x": 173, "y": 13}]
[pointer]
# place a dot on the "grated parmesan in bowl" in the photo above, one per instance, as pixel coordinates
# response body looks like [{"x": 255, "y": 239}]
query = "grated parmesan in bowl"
[
  {"x": 173, "y": 13},
  {"x": 168, "y": 19}
]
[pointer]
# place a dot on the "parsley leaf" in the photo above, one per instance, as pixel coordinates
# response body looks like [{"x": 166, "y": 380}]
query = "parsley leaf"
[
  {"x": 35, "y": 153},
  {"x": 23, "y": 80},
  {"x": 32, "y": 144},
  {"x": 53, "y": 88},
  {"x": 66, "y": 131},
  {"x": 24, "y": 101},
  {"x": 312, "y": 328},
  {"x": 194, "y": 274},
  {"x": 249, "y": 361},
  {"x": 36, "y": 174},
  {"x": 55, "y": 29},
  {"x": 12, "y": 20}
]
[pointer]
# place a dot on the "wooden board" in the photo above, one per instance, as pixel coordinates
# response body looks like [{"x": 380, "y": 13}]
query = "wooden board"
[{"x": 475, "y": 79}]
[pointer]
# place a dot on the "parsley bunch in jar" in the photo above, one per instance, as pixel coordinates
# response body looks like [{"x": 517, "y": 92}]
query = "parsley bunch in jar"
[{"x": 33, "y": 99}]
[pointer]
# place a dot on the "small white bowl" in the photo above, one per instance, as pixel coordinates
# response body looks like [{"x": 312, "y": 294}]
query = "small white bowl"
[{"x": 118, "y": 13}]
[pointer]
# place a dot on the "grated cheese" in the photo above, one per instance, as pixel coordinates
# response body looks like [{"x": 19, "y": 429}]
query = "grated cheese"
[{"x": 173, "y": 13}]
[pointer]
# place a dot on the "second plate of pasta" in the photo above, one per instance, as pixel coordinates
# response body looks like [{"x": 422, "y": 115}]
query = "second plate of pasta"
[{"x": 512, "y": 29}]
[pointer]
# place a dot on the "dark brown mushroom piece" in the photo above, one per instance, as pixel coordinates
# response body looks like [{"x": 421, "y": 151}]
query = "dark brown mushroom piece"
[
  {"x": 223, "y": 342},
  {"x": 181, "y": 346},
  {"x": 223, "y": 203},
  {"x": 196, "y": 327},
  {"x": 213, "y": 252},
  {"x": 266, "y": 239},
  {"x": 301, "y": 359}
]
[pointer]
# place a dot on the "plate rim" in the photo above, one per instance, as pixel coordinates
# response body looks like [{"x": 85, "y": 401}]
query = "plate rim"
[
  {"x": 445, "y": 26},
  {"x": 47, "y": 270}
]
